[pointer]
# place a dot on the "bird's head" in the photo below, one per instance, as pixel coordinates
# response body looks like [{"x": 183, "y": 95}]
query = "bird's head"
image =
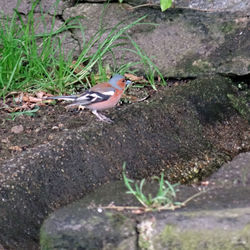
[{"x": 119, "y": 81}]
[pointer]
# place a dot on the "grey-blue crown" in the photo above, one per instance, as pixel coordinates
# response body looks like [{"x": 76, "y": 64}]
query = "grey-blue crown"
[{"x": 113, "y": 81}]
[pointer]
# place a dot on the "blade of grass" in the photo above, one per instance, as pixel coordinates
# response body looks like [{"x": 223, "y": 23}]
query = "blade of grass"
[
  {"x": 150, "y": 67},
  {"x": 106, "y": 45}
]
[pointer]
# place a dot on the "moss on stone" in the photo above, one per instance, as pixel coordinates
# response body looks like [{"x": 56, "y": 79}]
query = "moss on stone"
[
  {"x": 214, "y": 239},
  {"x": 117, "y": 220},
  {"x": 227, "y": 27},
  {"x": 196, "y": 66},
  {"x": 45, "y": 241},
  {"x": 240, "y": 103}
]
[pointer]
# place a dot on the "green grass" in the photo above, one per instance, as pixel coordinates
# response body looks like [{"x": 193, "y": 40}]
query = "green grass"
[
  {"x": 164, "y": 198},
  {"x": 150, "y": 69},
  {"x": 14, "y": 115},
  {"x": 30, "y": 61},
  {"x": 113, "y": 40}
]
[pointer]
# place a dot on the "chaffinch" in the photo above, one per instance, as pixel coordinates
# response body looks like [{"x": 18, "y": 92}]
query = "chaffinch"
[{"x": 100, "y": 97}]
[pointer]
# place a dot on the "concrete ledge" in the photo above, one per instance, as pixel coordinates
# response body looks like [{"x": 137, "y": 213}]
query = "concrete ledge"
[{"x": 170, "y": 133}]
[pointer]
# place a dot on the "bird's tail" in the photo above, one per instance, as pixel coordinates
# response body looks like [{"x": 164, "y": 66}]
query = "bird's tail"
[{"x": 63, "y": 97}]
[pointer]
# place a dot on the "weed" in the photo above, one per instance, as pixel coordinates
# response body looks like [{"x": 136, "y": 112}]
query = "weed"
[
  {"x": 163, "y": 200},
  {"x": 31, "y": 112},
  {"x": 164, "y": 197},
  {"x": 164, "y": 4}
]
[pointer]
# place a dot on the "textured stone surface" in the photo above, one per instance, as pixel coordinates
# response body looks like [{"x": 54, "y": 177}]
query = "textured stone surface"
[
  {"x": 52, "y": 7},
  {"x": 7, "y": 6},
  {"x": 172, "y": 132},
  {"x": 203, "y": 5},
  {"x": 119, "y": 230},
  {"x": 182, "y": 43},
  {"x": 45, "y": 23},
  {"x": 217, "y": 219},
  {"x": 24, "y": 7}
]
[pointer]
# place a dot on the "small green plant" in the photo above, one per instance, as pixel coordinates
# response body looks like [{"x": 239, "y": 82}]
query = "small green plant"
[
  {"x": 165, "y": 4},
  {"x": 31, "y": 112},
  {"x": 164, "y": 197}
]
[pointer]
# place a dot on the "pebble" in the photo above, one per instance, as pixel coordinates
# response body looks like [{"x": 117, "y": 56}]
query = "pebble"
[{"x": 17, "y": 129}]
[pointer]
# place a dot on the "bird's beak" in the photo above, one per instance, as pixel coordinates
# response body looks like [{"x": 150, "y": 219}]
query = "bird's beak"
[{"x": 128, "y": 82}]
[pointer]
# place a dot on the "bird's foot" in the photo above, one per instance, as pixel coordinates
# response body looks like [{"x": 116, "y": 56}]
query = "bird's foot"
[
  {"x": 102, "y": 117},
  {"x": 80, "y": 107}
]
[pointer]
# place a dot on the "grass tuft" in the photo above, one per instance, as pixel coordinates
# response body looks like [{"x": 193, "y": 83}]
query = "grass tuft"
[
  {"x": 164, "y": 199},
  {"x": 165, "y": 196},
  {"x": 31, "y": 61}
]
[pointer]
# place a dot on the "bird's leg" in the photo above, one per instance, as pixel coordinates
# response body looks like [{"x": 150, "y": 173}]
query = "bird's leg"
[
  {"x": 101, "y": 117},
  {"x": 80, "y": 107}
]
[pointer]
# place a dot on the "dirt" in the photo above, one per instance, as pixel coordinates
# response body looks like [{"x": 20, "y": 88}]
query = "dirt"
[
  {"x": 36, "y": 129},
  {"x": 24, "y": 132},
  {"x": 52, "y": 119}
]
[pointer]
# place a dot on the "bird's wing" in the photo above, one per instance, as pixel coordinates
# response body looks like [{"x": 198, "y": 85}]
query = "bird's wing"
[
  {"x": 98, "y": 93},
  {"x": 90, "y": 96},
  {"x": 102, "y": 88}
]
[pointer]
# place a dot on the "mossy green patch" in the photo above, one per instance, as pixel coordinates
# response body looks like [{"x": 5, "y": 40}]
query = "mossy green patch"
[
  {"x": 227, "y": 27},
  {"x": 45, "y": 240},
  {"x": 117, "y": 220},
  {"x": 202, "y": 65},
  {"x": 144, "y": 244},
  {"x": 240, "y": 103},
  {"x": 174, "y": 238},
  {"x": 195, "y": 65}
]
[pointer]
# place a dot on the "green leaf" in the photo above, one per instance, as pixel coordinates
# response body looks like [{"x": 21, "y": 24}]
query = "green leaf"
[
  {"x": 31, "y": 112},
  {"x": 165, "y": 4}
]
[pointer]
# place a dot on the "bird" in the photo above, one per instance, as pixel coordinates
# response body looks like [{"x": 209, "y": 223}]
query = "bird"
[{"x": 99, "y": 97}]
